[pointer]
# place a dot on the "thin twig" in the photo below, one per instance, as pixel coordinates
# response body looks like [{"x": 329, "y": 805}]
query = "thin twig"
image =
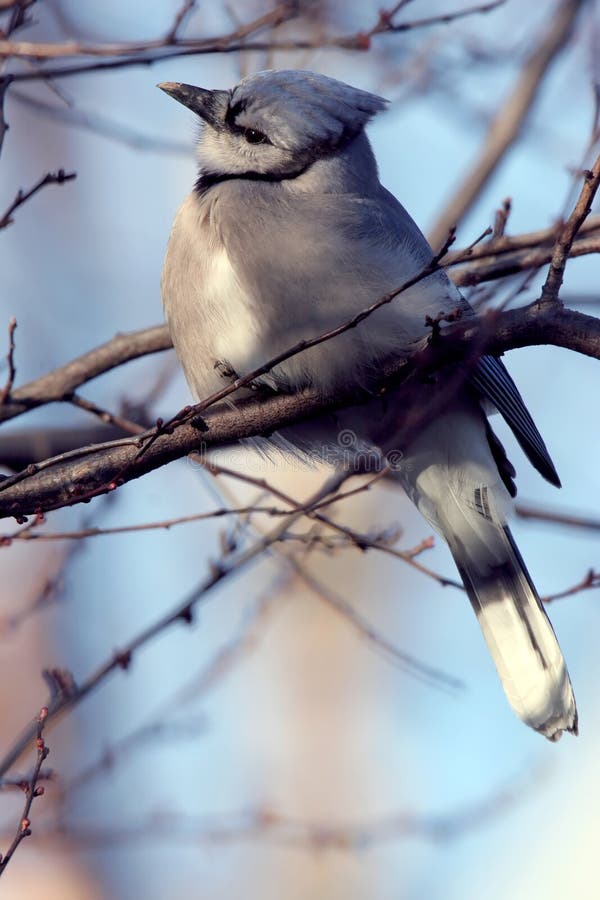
[
  {"x": 590, "y": 581},
  {"x": 28, "y": 533},
  {"x": 148, "y": 51},
  {"x": 564, "y": 241},
  {"x": 32, "y": 790},
  {"x": 508, "y": 244},
  {"x": 23, "y": 196},
  {"x": 501, "y": 219},
  {"x": 51, "y": 589},
  {"x": 170, "y": 44},
  {"x": 10, "y": 361},
  {"x": 361, "y": 541},
  {"x": 522, "y": 261},
  {"x": 385, "y": 23},
  {"x": 104, "y": 415}
]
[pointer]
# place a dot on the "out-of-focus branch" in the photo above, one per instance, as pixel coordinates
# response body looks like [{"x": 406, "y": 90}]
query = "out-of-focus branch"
[
  {"x": 169, "y": 46},
  {"x": 281, "y": 13},
  {"x": 39, "y": 50},
  {"x": 15, "y": 4},
  {"x": 65, "y": 693},
  {"x": 556, "y": 517},
  {"x": 405, "y": 661},
  {"x": 97, "y": 123},
  {"x": 182, "y": 13},
  {"x": 268, "y": 824},
  {"x": 16, "y": 11},
  {"x": 386, "y": 22},
  {"x": 510, "y": 117}
]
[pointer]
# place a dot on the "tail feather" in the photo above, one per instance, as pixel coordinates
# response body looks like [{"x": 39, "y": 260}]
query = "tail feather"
[
  {"x": 520, "y": 639},
  {"x": 451, "y": 474}
]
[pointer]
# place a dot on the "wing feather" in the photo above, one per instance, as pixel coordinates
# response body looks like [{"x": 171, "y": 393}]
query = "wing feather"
[{"x": 492, "y": 380}]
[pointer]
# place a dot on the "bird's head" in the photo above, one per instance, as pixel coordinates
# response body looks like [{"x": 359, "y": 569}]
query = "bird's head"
[{"x": 274, "y": 124}]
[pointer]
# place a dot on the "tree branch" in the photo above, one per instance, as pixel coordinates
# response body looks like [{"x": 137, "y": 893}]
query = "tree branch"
[
  {"x": 32, "y": 790},
  {"x": 125, "y": 54},
  {"x": 487, "y": 261},
  {"x": 63, "y": 381},
  {"x": 81, "y": 474},
  {"x": 570, "y": 230}
]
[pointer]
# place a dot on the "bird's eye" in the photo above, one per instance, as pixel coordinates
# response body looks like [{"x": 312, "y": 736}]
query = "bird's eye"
[{"x": 255, "y": 137}]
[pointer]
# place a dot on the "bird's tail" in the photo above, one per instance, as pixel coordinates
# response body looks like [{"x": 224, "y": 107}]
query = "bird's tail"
[
  {"x": 452, "y": 476},
  {"x": 519, "y": 636}
]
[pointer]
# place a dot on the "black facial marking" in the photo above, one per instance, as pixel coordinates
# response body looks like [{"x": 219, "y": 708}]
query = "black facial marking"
[{"x": 234, "y": 111}]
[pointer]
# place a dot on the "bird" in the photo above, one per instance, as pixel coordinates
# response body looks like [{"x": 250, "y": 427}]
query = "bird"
[{"x": 288, "y": 233}]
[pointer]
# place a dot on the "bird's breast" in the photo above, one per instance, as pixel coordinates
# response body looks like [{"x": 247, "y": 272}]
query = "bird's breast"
[{"x": 213, "y": 322}]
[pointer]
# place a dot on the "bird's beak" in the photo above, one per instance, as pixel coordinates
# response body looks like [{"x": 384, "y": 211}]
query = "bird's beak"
[{"x": 209, "y": 105}]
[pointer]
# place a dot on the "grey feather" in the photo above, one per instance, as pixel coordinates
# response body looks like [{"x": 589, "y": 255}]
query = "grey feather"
[{"x": 289, "y": 233}]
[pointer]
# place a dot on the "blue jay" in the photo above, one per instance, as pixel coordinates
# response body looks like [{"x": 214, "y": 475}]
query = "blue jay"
[{"x": 288, "y": 233}]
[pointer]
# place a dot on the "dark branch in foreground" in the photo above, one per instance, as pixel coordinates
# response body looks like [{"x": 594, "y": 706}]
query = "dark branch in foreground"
[
  {"x": 82, "y": 474},
  {"x": 490, "y": 260},
  {"x": 56, "y": 385},
  {"x": 564, "y": 242}
]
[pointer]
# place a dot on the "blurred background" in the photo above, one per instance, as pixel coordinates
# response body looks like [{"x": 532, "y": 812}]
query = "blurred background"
[{"x": 273, "y": 748}]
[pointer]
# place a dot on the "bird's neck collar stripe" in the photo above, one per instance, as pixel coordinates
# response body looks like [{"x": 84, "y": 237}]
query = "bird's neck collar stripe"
[{"x": 206, "y": 180}]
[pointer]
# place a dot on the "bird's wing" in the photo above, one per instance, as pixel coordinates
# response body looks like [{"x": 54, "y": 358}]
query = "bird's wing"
[
  {"x": 493, "y": 382},
  {"x": 341, "y": 253}
]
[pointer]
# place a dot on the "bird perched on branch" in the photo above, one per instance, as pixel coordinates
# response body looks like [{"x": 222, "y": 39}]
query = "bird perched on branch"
[{"x": 288, "y": 234}]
